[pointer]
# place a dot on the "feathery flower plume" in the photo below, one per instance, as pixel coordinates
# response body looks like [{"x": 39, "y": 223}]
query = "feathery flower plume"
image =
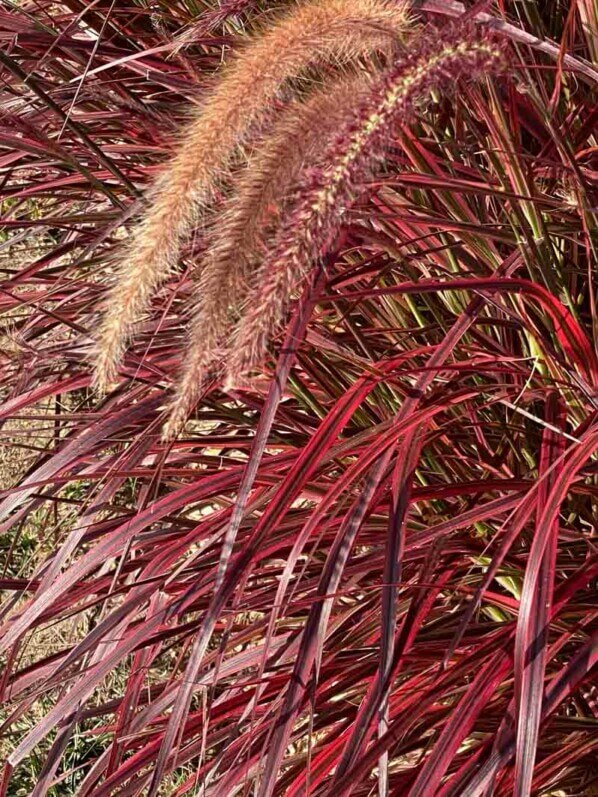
[
  {"x": 249, "y": 218},
  {"x": 313, "y": 33},
  {"x": 326, "y": 190}
]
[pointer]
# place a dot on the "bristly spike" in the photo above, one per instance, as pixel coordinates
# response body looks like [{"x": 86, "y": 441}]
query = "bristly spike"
[
  {"x": 251, "y": 215},
  {"x": 327, "y": 188},
  {"x": 313, "y": 33}
]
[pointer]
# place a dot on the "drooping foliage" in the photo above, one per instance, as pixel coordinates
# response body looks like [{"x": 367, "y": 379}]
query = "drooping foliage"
[{"x": 369, "y": 566}]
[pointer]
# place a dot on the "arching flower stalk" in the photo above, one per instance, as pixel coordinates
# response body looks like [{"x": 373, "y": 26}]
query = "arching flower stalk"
[
  {"x": 214, "y": 19},
  {"x": 327, "y": 189},
  {"x": 313, "y": 33},
  {"x": 252, "y": 214}
]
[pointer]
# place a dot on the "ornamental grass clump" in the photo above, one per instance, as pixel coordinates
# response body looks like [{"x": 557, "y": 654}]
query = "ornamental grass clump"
[
  {"x": 364, "y": 561},
  {"x": 311, "y": 34}
]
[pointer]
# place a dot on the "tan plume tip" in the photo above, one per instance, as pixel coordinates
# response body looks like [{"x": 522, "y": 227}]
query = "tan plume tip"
[
  {"x": 243, "y": 227},
  {"x": 328, "y": 188},
  {"x": 312, "y": 33}
]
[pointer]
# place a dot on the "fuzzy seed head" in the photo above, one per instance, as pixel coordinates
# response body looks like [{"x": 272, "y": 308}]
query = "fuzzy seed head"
[
  {"x": 313, "y": 33},
  {"x": 328, "y": 188},
  {"x": 249, "y": 218}
]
